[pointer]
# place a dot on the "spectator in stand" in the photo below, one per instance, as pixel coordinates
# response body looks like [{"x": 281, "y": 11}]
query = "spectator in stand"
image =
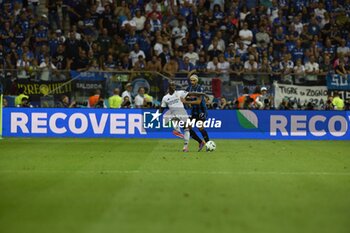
[
  {"x": 140, "y": 64},
  {"x": 121, "y": 11},
  {"x": 297, "y": 52},
  {"x": 223, "y": 68},
  {"x": 134, "y": 55},
  {"x": 153, "y": 8},
  {"x": 52, "y": 6},
  {"x": 280, "y": 21},
  {"x": 262, "y": 38},
  {"x": 329, "y": 48},
  {"x": 243, "y": 13},
  {"x": 230, "y": 53},
  {"x": 276, "y": 70},
  {"x": 72, "y": 47},
  {"x": 110, "y": 64},
  {"x": 80, "y": 63},
  {"x": 94, "y": 66},
  {"x": 212, "y": 66},
  {"x": 128, "y": 24},
  {"x": 139, "y": 20},
  {"x": 125, "y": 64},
  {"x": 215, "y": 49},
  {"x": 23, "y": 65},
  {"x": 252, "y": 18},
  {"x": 341, "y": 69},
  {"x": 291, "y": 36},
  {"x": 313, "y": 27},
  {"x": 246, "y": 35},
  {"x": 47, "y": 69},
  {"x": 171, "y": 67},
  {"x": 242, "y": 51},
  {"x": 341, "y": 57},
  {"x": 104, "y": 41},
  {"x": 206, "y": 35},
  {"x": 120, "y": 48},
  {"x": 298, "y": 24},
  {"x": 237, "y": 65},
  {"x": 154, "y": 64},
  {"x": 158, "y": 46},
  {"x": 33, "y": 5},
  {"x": 192, "y": 56},
  {"x": 201, "y": 65},
  {"x": 326, "y": 66},
  {"x": 299, "y": 72},
  {"x": 286, "y": 67},
  {"x": 279, "y": 41},
  {"x": 312, "y": 70},
  {"x": 131, "y": 39},
  {"x": 250, "y": 67},
  {"x": 220, "y": 38},
  {"x": 179, "y": 32},
  {"x": 185, "y": 65},
  {"x": 59, "y": 58},
  {"x": 165, "y": 55},
  {"x": 343, "y": 48},
  {"x": 265, "y": 70},
  {"x": 74, "y": 32},
  {"x": 156, "y": 24}
]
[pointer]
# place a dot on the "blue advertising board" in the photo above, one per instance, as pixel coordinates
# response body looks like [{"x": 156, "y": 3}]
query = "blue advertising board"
[{"x": 137, "y": 123}]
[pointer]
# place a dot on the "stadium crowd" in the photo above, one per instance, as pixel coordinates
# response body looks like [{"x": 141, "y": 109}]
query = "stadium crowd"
[{"x": 288, "y": 41}]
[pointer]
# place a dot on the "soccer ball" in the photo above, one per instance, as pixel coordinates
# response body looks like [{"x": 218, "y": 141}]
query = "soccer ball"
[{"x": 210, "y": 145}]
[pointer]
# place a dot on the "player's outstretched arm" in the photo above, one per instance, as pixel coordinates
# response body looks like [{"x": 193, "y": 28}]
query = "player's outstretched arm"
[
  {"x": 186, "y": 101},
  {"x": 196, "y": 94}
]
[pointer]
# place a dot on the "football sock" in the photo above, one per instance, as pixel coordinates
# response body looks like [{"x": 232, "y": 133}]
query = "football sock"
[
  {"x": 195, "y": 136},
  {"x": 177, "y": 128},
  {"x": 186, "y": 136},
  {"x": 205, "y": 135}
]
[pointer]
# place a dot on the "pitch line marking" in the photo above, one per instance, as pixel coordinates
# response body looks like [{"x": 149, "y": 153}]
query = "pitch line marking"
[{"x": 181, "y": 172}]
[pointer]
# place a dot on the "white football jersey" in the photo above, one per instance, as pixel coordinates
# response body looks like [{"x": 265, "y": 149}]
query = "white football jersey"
[{"x": 173, "y": 102}]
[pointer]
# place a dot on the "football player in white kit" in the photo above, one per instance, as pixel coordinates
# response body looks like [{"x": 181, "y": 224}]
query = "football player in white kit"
[{"x": 177, "y": 112}]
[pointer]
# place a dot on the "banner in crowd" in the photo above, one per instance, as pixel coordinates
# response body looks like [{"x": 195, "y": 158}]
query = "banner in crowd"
[
  {"x": 338, "y": 82},
  {"x": 300, "y": 95},
  {"x": 148, "y": 123},
  {"x": 43, "y": 88},
  {"x": 89, "y": 75}
]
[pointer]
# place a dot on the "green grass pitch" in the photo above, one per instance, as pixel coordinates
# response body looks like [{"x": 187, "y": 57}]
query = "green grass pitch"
[{"x": 150, "y": 186}]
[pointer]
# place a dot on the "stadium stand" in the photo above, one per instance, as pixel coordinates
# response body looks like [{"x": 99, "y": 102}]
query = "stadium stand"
[{"x": 249, "y": 42}]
